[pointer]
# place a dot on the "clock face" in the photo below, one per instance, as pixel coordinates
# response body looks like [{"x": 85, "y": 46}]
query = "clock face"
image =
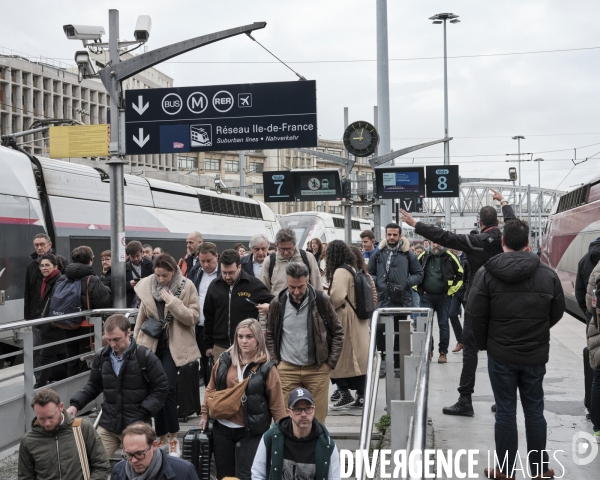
[{"x": 361, "y": 139}]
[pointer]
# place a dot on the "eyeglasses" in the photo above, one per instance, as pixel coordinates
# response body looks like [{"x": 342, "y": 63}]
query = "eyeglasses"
[
  {"x": 298, "y": 411},
  {"x": 137, "y": 455}
]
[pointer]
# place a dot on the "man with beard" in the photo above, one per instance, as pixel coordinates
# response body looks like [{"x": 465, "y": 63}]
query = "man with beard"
[
  {"x": 298, "y": 446},
  {"x": 233, "y": 297},
  {"x": 443, "y": 277}
]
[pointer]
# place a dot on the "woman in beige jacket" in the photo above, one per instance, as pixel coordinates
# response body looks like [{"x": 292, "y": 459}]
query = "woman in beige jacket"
[
  {"x": 177, "y": 344},
  {"x": 350, "y": 371}
]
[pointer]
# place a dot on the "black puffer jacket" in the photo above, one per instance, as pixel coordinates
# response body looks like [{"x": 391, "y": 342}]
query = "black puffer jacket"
[
  {"x": 584, "y": 269},
  {"x": 100, "y": 295},
  {"x": 132, "y": 396},
  {"x": 513, "y": 302}
]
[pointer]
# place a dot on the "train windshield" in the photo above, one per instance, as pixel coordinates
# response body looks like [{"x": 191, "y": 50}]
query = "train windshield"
[{"x": 303, "y": 226}]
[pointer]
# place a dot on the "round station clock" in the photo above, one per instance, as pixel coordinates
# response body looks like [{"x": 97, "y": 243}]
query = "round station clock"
[{"x": 361, "y": 139}]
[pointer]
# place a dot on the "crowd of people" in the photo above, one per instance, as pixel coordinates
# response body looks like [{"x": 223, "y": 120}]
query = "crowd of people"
[{"x": 274, "y": 325}]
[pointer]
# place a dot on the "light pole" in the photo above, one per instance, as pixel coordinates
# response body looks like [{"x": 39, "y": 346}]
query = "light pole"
[
  {"x": 518, "y": 138},
  {"x": 438, "y": 19},
  {"x": 540, "y": 202}
]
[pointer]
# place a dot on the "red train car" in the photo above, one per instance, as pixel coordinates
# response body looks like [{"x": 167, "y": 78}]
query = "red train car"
[{"x": 572, "y": 225}]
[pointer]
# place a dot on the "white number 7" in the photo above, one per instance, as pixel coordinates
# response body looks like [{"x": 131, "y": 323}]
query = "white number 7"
[{"x": 279, "y": 187}]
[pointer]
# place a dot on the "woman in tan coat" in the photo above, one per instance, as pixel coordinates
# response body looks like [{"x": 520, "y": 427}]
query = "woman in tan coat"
[
  {"x": 176, "y": 345},
  {"x": 351, "y": 369}
]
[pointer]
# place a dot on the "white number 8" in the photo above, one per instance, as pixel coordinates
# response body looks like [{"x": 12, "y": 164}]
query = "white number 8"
[{"x": 442, "y": 183}]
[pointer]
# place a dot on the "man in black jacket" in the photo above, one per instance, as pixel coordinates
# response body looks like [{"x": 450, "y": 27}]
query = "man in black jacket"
[
  {"x": 133, "y": 381},
  {"x": 584, "y": 269},
  {"x": 92, "y": 290},
  {"x": 136, "y": 268},
  {"x": 252, "y": 264},
  {"x": 513, "y": 302},
  {"x": 479, "y": 249},
  {"x": 230, "y": 299}
]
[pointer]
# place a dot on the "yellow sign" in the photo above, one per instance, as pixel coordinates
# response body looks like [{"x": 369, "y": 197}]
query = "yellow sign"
[{"x": 79, "y": 141}]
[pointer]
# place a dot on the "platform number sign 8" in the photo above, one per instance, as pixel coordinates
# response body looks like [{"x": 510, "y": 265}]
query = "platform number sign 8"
[{"x": 442, "y": 181}]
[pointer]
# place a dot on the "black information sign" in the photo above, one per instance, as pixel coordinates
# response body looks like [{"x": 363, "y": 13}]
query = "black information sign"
[
  {"x": 399, "y": 182},
  {"x": 410, "y": 204},
  {"x": 442, "y": 181},
  {"x": 321, "y": 185},
  {"x": 279, "y": 186},
  {"x": 250, "y": 116}
]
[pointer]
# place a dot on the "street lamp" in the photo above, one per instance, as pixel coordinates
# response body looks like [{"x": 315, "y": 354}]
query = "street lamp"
[
  {"x": 540, "y": 202},
  {"x": 439, "y": 19},
  {"x": 519, "y": 138}
]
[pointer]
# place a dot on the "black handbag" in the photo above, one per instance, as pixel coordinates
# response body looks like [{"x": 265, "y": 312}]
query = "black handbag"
[
  {"x": 396, "y": 293},
  {"x": 153, "y": 327}
]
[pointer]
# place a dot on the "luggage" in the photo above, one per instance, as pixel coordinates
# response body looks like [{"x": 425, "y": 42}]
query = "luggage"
[
  {"x": 588, "y": 376},
  {"x": 196, "y": 449},
  {"x": 187, "y": 391}
]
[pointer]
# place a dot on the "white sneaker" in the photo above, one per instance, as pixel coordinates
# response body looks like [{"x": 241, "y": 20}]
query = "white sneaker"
[{"x": 174, "y": 449}]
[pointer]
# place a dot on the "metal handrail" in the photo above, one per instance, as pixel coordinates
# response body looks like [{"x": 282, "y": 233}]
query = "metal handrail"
[
  {"x": 417, "y": 434},
  {"x": 365, "y": 428},
  {"x": 83, "y": 313}
]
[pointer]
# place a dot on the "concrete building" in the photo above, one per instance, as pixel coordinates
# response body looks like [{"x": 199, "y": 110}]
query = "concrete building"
[{"x": 38, "y": 88}]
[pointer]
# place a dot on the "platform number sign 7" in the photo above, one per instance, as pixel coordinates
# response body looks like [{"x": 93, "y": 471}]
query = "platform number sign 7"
[{"x": 278, "y": 186}]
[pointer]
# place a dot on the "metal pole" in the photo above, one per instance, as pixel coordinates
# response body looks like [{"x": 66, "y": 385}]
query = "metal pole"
[
  {"x": 540, "y": 205},
  {"x": 447, "y": 201},
  {"x": 520, "y": 201},
  {"x": 242, "y": 172},
  {"x": 376, "y": 206},
  {"x": 115, "y": 166},
  {"x": 383, "y": 95},
  {"x": 529, "y": 211},
  {"x": 347, "y": 206}
]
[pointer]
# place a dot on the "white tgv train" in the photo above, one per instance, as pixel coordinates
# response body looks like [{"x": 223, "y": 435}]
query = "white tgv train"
[{"x": 70, "y": 203}]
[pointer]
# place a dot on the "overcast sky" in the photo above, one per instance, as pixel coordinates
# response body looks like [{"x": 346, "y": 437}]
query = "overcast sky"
[{"x": 552, "y": 99}]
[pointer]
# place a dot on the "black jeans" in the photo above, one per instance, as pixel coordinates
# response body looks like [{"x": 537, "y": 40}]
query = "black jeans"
[
  {"x": 454, "y": 313},
  {"x": 166, "y": 420},
  {"x": 234, "y": 451},
  {"x": 469, "y": 369},
  {"x": 506, "y": 378},
  {"x": 203, "y": 358},
  {"x": 352, "y": 383}
]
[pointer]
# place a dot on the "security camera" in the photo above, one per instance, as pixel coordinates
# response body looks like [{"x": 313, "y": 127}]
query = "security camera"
[
  {"x": 142, "y": 28},
  {"x": 219, "y": 185},
  {"x": 83, "y": 32},
  {"x": 84, "y": 64}
]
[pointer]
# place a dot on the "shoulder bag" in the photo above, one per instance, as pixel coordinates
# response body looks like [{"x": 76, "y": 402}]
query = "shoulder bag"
[
  {"x": 81, "y": 450},
  {"x": 223, "y": 404},
  {"x": 153, "y": 327}
]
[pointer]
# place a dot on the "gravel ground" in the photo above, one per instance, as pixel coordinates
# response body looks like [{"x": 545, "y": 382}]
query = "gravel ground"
[{"x": 8, "y": 467}]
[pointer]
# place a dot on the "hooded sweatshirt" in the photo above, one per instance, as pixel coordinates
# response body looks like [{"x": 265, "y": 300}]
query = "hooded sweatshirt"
[{"x": 514, "y": 301}]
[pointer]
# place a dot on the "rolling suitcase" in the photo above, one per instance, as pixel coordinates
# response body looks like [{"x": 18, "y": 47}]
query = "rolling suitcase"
[
  {"x": 588, "y": 376},
  {"x": 196, "y": 449},
  {"x": 187, "y": 391}
]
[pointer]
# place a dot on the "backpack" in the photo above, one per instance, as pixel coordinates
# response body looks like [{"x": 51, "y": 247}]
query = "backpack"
[
  {"x": 363, "y": 292},
  {"x": 67, "y": 299},
  {"x": 273, "y": 258}
]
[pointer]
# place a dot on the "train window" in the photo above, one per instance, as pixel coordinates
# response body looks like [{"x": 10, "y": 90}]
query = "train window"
[
  {"x": 573, "y": 199},
  {"x": 205, "y": 204},
  {"x": 355, "y": 225},
  {"x": 338, "y": 222}
]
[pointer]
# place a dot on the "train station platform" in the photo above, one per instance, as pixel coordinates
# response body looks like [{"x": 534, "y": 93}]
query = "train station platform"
[{"x": 563, "y": 407}]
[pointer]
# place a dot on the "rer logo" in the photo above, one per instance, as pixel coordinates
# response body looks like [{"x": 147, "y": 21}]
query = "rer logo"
[
  {"x": 197, "y": 102},
  {"x": 171, "y": 104},
  {"x": 223, "y": 101}
]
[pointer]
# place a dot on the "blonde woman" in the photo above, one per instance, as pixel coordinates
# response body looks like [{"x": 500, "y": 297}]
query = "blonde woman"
[{"x": 236, "y": 439}]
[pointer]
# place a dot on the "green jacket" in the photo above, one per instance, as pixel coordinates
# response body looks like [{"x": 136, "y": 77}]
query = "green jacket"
[
  {"x": 452, "y": 271},
  {"x": 54, "y": 456}
]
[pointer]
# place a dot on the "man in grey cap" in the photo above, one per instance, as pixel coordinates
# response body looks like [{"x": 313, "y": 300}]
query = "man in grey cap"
[{"x": 298, "y": 446}]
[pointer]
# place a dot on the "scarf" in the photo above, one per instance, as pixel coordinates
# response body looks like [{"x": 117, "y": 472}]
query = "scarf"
[
  {"x": 46, "y": 281},
  {"x": 392, "y": 251},
  {"x": 173, "y": 285},
  {"x": 151, "y": 472}
]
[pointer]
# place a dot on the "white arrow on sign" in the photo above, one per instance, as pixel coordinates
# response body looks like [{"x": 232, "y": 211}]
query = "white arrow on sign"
[
  {"x": 140, "y": 140},
  {"x": 140, "y": 107}
]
